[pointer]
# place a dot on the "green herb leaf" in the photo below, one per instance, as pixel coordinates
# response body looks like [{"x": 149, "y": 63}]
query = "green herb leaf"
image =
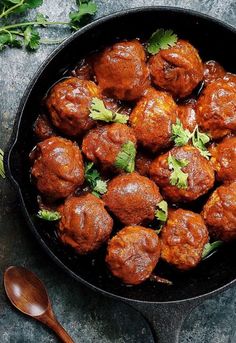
[
  {"x": 26, "y": 5},
  {"x": 31, "y": 38},
  {"x": 160, "y": 40},
  {"x": 8, "y": 39},
  {"x": 178, "y": 177},
  {"x": 41, "y": 19},
  {"x": 100, "y": 187},
  {"x": 2, "y": 171},
  {"x": 48, "y": 215},
  {"x": 210, "y": 247},
  {"x": 180, "y": 135},
  {"x": 98, "y": 111},
  {"x": 85, "y": 9},
  {"x": 162, "y": 211},
  {"x": 126, "y": 157},
  {"x": 92, "y": 176},
  {"x": 199, "y": 140}
]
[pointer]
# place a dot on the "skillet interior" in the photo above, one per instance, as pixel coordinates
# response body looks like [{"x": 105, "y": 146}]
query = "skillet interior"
[{"x": 214, "y": 41}]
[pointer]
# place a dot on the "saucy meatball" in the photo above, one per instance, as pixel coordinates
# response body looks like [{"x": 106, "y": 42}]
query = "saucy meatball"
[
  {"x": 178, "y": 69},
  {"x": 43, "y": 128},
  {"x": 68, "y": 104},
  {"x": 187, "y": 114},
  {"x": 143, "y": 162},
  {"x": 57, "y": 168},
  {"x": 85, "y": 224},
  {"x": 216, "y": 108},
  {"x": 183, "y": 239},
  {"x": 229, "y": 77},
  {"x": 219, "y": 213},
  {"x": 200, "y": 174},
  {"x": 212, "y": 71},
  {"x": 121, "y": 70},
  {"x": 152, "y": 118},
  {"x": 103, "y": 144},
  {"x": 224, "y": 159},
  {"x": 133, "y": 254},
  {"x": 132, "y": 198}
]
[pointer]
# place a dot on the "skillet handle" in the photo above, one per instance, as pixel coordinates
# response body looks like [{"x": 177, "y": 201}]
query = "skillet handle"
[{"x": 166, "y": 319}]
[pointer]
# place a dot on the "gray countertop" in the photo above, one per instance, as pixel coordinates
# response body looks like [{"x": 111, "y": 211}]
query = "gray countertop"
[{"x": 89, "y": 317}]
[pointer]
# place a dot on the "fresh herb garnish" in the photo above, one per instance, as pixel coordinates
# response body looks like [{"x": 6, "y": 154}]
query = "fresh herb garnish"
[
  {"x": 2, "y": 171},
  {"x": 92, "y": 176},
  {"x": 162, "y": 211},
  {"x": 180, "y": 135},
  {"x": 199, "y": 140},
  {"x": 50, "y": 216},
  {"x": 98, "y": 111},
  {"x": 178, "y": 177},
  {"x": 126, "y": 157},
  {"x": 210, "y": 247},
  {"x": 160, "y": 40},
  {"x": 25, "y": 33}
]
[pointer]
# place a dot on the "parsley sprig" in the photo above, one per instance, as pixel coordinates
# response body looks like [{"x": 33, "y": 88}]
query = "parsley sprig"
[
  {"x": 199, "y": 140},
  {"x": 93, "y": 178},
  {"x": 209, "y": 248},
  {"x": 98, "y": 111},
  {"x": 180, "y": 135},
  {"x": 126, "y": 157},
  {"x": 2, "y": 171},
  {"x": 160, "y": 40},
  {"x": 178, "y": 177},
  {"x": 25, "y": 33},
  {"x": 50, "y": 216}
]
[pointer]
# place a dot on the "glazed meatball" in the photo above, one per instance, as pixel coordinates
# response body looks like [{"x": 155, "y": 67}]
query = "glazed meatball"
[
  {"x": 231, "y": 78},
  {"x": 213, "y": 71},
  {"x": 152, "y": 118},
  {"x": 224, "y": 160},
  {"x": 121, "y": 70},
  {"x": 200, "y": 174},
  {"x": 187, "y": 115},
  {"x": 132, "y": 198},
  {"x": 183, "y": 239},
  {"x": 57, "y": 168},
  {"x": 68, "y": 104},
  {"x": 133, "y": 254},
  {"x": 178, "y": 69},
  {"x": 103, "y": 144},
  {"x": 43, "y": 128},
  {"x": 85, "y": 224},
  {"x": 143, "y": 162},
  {"x": 219, "y": 213},
  {"x": 216, "y": 108}
]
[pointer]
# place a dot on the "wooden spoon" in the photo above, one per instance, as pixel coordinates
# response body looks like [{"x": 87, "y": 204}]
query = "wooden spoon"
[{"x": 28, "y": 294}]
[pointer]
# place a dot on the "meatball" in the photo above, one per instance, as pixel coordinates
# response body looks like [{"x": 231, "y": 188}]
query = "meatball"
[
  {"x": 183, "y": 238},
  {"x": 212, "y": 71},
  {"x": 58, "y": 167},
  {"x": 68, "y": 104},
  {"x": 229, "y": 77},
  {"x": 224, "y": 159},
  {"x": 103, "y": 144},
  {"x": 143, "y": 162},
  {"x": 216, "y": 108},
  {"x": 219, "y": 213},
  {"x": 152, "y": 118},
  {"x": 133, "y": 254},
  {"x": 85, "y": 224},
  {"x": 121, "y": 70},
  {"x": 200, "y": 174},
  {"x": 43, "y": 128},
  {"x": 178, "y": 69},
  {"x": 132, "y": 198},
  {"x": 187, "y": 114}
]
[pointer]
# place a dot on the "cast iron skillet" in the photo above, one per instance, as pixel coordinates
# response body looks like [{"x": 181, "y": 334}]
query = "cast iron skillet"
[{"x": 164, "y": 307}]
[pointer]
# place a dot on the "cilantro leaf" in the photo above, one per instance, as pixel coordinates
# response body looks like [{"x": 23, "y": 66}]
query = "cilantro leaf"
[
  {"x": 126, "y": 157},
  {"x": 98, "y": 111},
  {"x": 85, "y": 9},
  {"x": 180, "y": 135},
  {"x": 199, "y": 140},
  {"x": 41, "y": 19},
  {"x": 210, "y": 247},
  {"x": 100, "y": 188},
  {"x": 8, "y": 39},
  {"x": 26, "y": 5},
  {"x": 49, "y": 215},
  {"x": 178, "y": 177},
  {"x": 162, "y": 211},
  {"x": 31, "y": 38},
  {"x": 2, "y": 171},
  {"x": 160, "y": 40},
  {"x": 92, "y": 176}
]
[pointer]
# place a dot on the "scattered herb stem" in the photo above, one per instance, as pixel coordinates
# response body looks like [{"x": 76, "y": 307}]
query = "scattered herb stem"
[{"x": 32, "y": 23}]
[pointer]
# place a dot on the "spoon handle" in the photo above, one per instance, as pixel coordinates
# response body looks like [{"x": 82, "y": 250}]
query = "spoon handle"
[{"x": 58, "y": 329}]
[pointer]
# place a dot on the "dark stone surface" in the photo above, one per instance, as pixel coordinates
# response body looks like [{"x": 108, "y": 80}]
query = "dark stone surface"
[{"x": 88, "y": 317}]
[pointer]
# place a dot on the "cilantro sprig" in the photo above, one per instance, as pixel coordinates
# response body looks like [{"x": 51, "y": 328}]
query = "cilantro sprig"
[
  {"x": 98, "y": 111},
  {"x": 180, "y": 135},
  {"x": 178, "y": 177},
  {"x": 162, "y": 211},
  {"x": 93, "y": 178},
  {"x": 161, "y": 40},
  {"x": 2, "y": 171},
  {"x": 126, "y": 157},
  {"x": 209, "y": 248},
  {"x": 25, "y": 33},
  {"x": 199, "y": 140},
  {"x": 50, "y": 216}
]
